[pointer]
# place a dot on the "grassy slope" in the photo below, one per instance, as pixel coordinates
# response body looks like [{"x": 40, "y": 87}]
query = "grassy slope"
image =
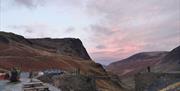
[{"x": 22, "y": 54}]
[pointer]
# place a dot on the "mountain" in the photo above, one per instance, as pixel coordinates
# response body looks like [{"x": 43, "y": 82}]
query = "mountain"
[
  {"x": 15, "y": 50},
  {"x": 158, "y": 61},
  {"x": 170, "y": 63},
  {"x": 67, "y": 54},
  {"x": 161, "y": 62},
  {"x": 136, "y": 63},
  {"x": 65, "y": 46}
]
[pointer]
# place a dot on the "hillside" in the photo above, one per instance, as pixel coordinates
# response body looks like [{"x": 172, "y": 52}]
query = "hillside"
[
  {"x": 136, "y": 63},
  {"x": 158, "y": 61},
  {"x": 170, "y": 63},
  {"x": 29, "y": 54},
  {"x": 161, "y": 62},
  {"x": 41, "y": 54},
  {"x": 65, "y": 46}
]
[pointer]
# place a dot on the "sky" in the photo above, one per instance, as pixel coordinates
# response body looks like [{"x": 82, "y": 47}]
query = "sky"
[{"x": 110, "y": 30}]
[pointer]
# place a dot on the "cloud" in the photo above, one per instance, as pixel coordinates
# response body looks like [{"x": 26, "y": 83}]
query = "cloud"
[
  {"x": 101, "y": 47},
  {"x": 132, "y": 13},
  {"x": 26, "y": 28},
  {"x": 131, "y": 26},
  {"x": 35, "y": 30},
  {"x": 58, "y": 3},
  {"x": 30, "y": 3},
  {"x": 119, "y": 28},
  {"x": 105, "y": 56},
  {"x": 101, "y": 29},
  {"x": 70, "y": 30}
]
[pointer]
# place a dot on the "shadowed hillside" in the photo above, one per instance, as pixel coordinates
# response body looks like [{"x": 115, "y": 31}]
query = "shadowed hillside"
[{"x": 65, "y": 46}]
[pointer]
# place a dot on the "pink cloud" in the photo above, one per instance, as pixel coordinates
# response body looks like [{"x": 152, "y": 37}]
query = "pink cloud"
[
  {"x": 120, "y": 28},
  {"x": 116, "y": 48}
]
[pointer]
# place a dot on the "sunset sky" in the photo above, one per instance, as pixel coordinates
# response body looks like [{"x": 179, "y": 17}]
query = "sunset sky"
[{"x": 109, "y": 29}]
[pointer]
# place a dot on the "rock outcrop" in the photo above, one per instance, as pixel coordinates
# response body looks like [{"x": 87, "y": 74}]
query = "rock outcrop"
[
  {"x": 65, "y": 46},
  {"x": 9, "y": 37}
]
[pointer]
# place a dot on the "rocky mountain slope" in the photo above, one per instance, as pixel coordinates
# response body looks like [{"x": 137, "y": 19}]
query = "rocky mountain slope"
[
  {"x": 161, "y": 62},
  {"x": 158, "y": 62},
  {"x": 170, "y": 63},
  {"x": 41, "y": 54},
  {"x": 136, "y": 63},
  {"x": 15, "y": 50},
  {"x": 65, "y": 46}
]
